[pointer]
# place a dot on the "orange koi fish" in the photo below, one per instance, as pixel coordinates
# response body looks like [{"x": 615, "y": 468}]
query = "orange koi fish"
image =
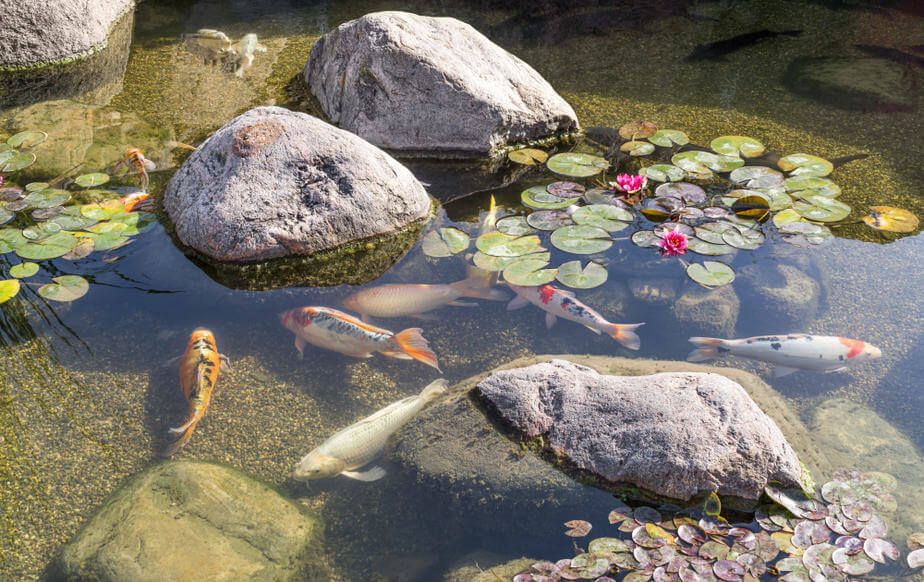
[
  {"x": 334, "y": 330},
  {"x": 135, "y": 159},
  {"x": 140, "y": 200},
  {"x": 199, "y": 367},
  {"x": 401, "y": 300}
]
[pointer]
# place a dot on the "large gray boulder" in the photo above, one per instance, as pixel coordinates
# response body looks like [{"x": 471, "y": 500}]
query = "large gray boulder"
[
  {"x": 675, "y": 434},
  {"x": 435, "y": 87},
  {"x": 183, "y": 520},
  {"x": 276, "y": 183},
  {"x": 40, "y": 32}
]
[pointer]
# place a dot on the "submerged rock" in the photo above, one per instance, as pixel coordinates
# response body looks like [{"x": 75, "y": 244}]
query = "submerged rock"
[
  {"x": 183, "y": 520},
  {"x": 435, "y": 87},
  {"x": 274, "y": 183},
  {"x": 856, "y": 83},
  {"x": 782, "y": 293},
  {"x": 51, "y": 31},
  {"x": 484, "y": 567},
  {"x": 711, "y": 312}
]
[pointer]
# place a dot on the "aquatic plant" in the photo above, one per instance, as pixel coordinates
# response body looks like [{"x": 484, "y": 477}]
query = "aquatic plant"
[
  {"x": 673, "y": 243},
  {"x": 797, "y": 536},
  {"x": 629, "y": 183}
]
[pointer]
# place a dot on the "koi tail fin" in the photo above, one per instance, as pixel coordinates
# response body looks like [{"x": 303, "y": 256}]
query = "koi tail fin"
[
  {"x": 624, "y": 333},
  {"x": 707, "y": 348},
  {"x": 479, "y": 287},
  {"x": 185, "y": 432},
  {"x": 490, "y": 218},
  {"x": 433, "y": 390},
  {"x": 411, "y": 341}
]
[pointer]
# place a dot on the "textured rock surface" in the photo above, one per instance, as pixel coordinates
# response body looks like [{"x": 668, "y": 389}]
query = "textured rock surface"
[
  {"x": 45, "y": 31},
  {"x": 674, "y": 434},
  {"x": 275, "y": 183},
  {"x": 431, "y": 86},
  {"x": 856, "y": 83},
  {"x": 184, "y": 520}
]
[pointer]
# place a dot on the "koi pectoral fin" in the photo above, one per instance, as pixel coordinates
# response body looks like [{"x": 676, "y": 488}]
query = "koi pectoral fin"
[
  {"x": 397, "y": 355},
  {"x": 517, "y": 303},
  {"x": 841, "y": 369},
  {"x": 300, "y": 346},
  {"x": 373, "y": 473},
  {"x": 549, "y": 320},
  {"x": 224, "y": 364},
  {"x": 462, "y": 304},
  {"x": 363, "y": 355}
]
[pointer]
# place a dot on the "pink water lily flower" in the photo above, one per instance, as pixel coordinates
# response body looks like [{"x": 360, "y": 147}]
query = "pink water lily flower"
[
  {"x": 630, "y": 183},
  {"x": 673, "y": 244}
]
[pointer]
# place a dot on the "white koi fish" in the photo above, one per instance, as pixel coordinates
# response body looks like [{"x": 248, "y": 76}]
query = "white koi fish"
[
  {"x": 363, "y": 442},
  {"x": 401, "y": 300},
  {"x": 560, "y": 303},
  {"x": 246, "y": 49},
  {"x": 334, "y": 330},
  {"x": 823, "y": 353}
]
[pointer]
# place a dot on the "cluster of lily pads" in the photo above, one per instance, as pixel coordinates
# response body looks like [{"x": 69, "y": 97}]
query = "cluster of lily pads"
[
  {"x": 740, "y": 191},
  {"x": 48, "y": 229},
  {"x": 794, "y": 538}
]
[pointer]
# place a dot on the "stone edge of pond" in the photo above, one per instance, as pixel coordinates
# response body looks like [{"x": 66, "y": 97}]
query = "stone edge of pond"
[{"x": 354, "y": 263}]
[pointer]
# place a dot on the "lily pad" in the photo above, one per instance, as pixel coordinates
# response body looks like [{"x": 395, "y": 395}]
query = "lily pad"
[
  {"x": 581, "y": 240},
  {"x": 528, "y": 156},
  {"x": 65, "y": 288},
  {"x": 47, "y": 213},
  {"x": 108, "y": 241},
  {"x": 605, "y": 216},
  {"x": 102, "y": 210},
  {"x": 637, "y": 130},
  {"x": 689, "y": 193},
  {"x": 707, "y": 248},
  {"x": 916, "y": 559},
  {"x": 565, "y": 189},
  {"x": 444, "y": 242},
  {"x": 73, "y": 222},
  {"x": 786, "y": 216},
  {"x": 637, "y": 148},
  {"x": 805, "y": 165},
  {"x": 737, "y": 145},
  {"x": 891, "y": 219},
  {"x": 573, "y": 275},
  {"x": 805, "y": 185},
  {"x": 713, "y": 232},
  {"x": 806, "y": 233},
  {"x": 704, "y": 163},
  {"x": 577, "y": 165},
  {"x": 85, "y": 246},
  {"x": 5, "y": 215},
  {"x": 746, "y": 239},
  {"x": 539, "y": 197},
  {"x": 578, "y": 528},
  {"x": 17, "y": 162},
  {"x": 549, "y": 219},
  {"x": 8, "y": 289},
  {"x": 11, "y": 194},
  {"x": 711, "y": 273},
  {"x": 91, "y": 180},
  {"x": 668, "y": 137},
  {"x": 49, "y": 248},
  {"x": 822, "y": 208},
  {"x": 138, "y": 222},
  {"x": 645, "y": 238},
  {"x": 27, "y": 139},
  {"x": 663, "y": 173},
  {"x": 11, "y": 239},
  {"x": 779, "y": 199},
  {"x": 499, "y": 244},
  {"x": 23, "y": 270},
  {"x": 41, "y": 231},
  {"x": 756, "y": 177},
  {"x": 47, "y": 198},
  {"x": 528, "y": 272},
  {"x": 754, "y": 205},
  {"x": 603, "y": 196},
  {"x": 36, "y": 186},
  {"x": 852, "y": 565},
  {"x": 514, "y": 226}
]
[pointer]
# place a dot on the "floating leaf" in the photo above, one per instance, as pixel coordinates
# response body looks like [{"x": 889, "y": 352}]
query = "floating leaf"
[
  {"x": 11, "y": 239},
  {"x": 91, "y": 180},
  {"x": 102, "y": 210},
  {"x": 499, "y": 244},
  {"x": 47, "y": 213},
  {"x": 805, "y": 165},
  {"x": 65, "y": 288},
  {"x": 18, "y": 161},
  {"x": 653, "y": 210},
  {"x": 663, "y": 173},
  {"x": 549, "y": 219},
  {"x": 23, "y": 270},
  {"x": 645, "y": 238},
  {"x": 27, "y": 139},
  {"x": 707, "y": 248},
  {"x": 5, "y": 215},
  {"x": 754, "y": 205},
  {"x": 539, "y": 197},
  {"x": 138, "y": 222},
  {"x": 603, "y": 196},
  {"x": 490, "y": 263},
  {"x": 879, "y": 549},
  {"x": 821, "y": 208},
  {"x": 47, "y": 198},
  {"x": 689, "y": 193},
  {"x": 747, "y": 239},
  {"x": 637, "y": 148},
  {"x": 711, "y": 273},
  {"x": 84, "y": 247},
  {"x": 715, "y": 212},
  {"x": 713, "y": 505},
  {"x": 577, "y": 165},
  {"x": 700, "y": 162},
  {"x": 73, "y": 222},
  {"x": 49, "y": 248},
  {"x": 444, "y": 242},
  {"x": 712, "y": 232},
  {"x": 756, "y": 177},
  {"x": 915, "y": 541},
  {"x": 528, "y": 156},
  {"x": 851, "y": 564},
  {"x": 455, "y": 239},
  {"x": 667, "y": 137},
  {"x": 8, "y": 289},
  {"x": 572, "y": 275},
  {"x": 805, "y": 185},
  {"x": 514, "y": 226},
  {"x": 108, "y": 241},
  {"x": 41, "y": 231},
  {"x": 36, "y": 186},
  {"x": 528, "y": 272},
  {"x": 891, "y": 219},
  {"x": 638, "y": 130},
  {"x": 737, "y": 145},
  {"x": 605, "y": 216},
  {"x": 581, "y": 240},
  {"x": 779, "y": 200},
  {"x": 916, "y": 559},
  {"x": 579, "y": 528},
  {"x": 565, "y": 189}
]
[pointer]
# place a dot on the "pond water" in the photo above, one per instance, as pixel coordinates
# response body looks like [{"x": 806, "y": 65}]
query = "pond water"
[{"x": 88, "y": 388}]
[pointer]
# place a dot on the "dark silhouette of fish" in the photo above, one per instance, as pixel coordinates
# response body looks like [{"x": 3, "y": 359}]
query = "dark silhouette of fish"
[
  {"x": 891, "y": 54},
  {"x": 716, "y": 51}
]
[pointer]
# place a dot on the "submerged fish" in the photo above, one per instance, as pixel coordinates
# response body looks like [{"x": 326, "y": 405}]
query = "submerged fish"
[
  {"x": 789, "y": 352},
  {"x": 334, "y": 330},
  {"x": 246, "y": 49},
  {"x": 363, "y": 442},
  {"x": 401, "y": 300},
  {"x": 717, "y": 50},
  {"x": 199, "y": 367},
  {"x": 560, "y": 303}
]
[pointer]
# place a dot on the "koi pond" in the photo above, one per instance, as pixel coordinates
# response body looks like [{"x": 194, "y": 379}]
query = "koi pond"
[{"x": 745, "y": 169}]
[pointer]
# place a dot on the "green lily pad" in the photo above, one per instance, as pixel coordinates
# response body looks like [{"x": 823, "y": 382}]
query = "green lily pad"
[
  {"x": 753, "y": 204},
  {"x": 23, "y": 270},
  {"x": 822, "y": 208},
  {"x": 711, "y": 273},
  {"x": 107, "y": 226},
  {"x": 85, "y": 246},
  {"x": 712, "y": 232},
  {"x": 663, "y": 173},
  {"x": 786, "y": 216},
  {"x": 605, "y": 216},
  {"x": 806, "y": 185},
  {"x": 804, "y": 234},
  {"x": 549, "y": 219},
  {"x": 138, "y": 222},
  {"x": 493, "y": 264},
  {"x": 47, "y": 198},
  {"x": 5, "y": 215},
  {"x": 581, "y": 240},
  {"x": 527, "y": 272},
  {"x": 569, "y": 190},
  {"x": 746, "y": 239},
  {"x": 498, "y": 244},
  {"x": 573, "y": 275},
  {"x": 602, "y": 196},
  {"x": 444, "y": 242},
  {"x": 91, "y": 180},
  {"x": 65, "y": 288},
  {"x": 108, "y": 241},
  {"x": 514, "y": 226},
  {"x": 779, "y": 199},
  {"x": 528, "y": 156},
  {"x": 41, "y": 231},
  {"x": 8, "y": 289},
  {"x": 637, "y": 148},
  {"x": 890, "y": 219},
  {"x": 73, "y": 222},
  {"x": 27, "y": 139},
  {"x": 805, "y": 165},
  {"x": 689, "y": 193},
  {"x": 102, "y": 210},
  {"x": 705, "y": 163},
  {"x": 18, "y": 161},
  {"x": 756, "y": 177},
  {"x": 707, "y": 248},
  {"x": 36, "y": 186},
  {"x": 11, "y": 239},
  {"x": 668, "y": 137},
  {"x": 645, "y": 238},
  {"x": 737, "y": 145},
  {"x": 538, "y": 197},
  {"x": 577, "y": 165},
  {"x": 637, "y": 130},
  {"x": 49, "y": 248}
]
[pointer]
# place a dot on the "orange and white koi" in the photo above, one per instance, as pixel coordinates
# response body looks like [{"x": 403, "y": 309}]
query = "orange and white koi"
[
  {"x": 334, "y": 330},
  {"x": 560, "y": 303},
  {"x": 139, "y": 199},
  {"x": 823, "y": 353},
  {"x": 135, "y": 159},
  {"x": 199, "y": 368},
  {"x": 401, "y": 300}
]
